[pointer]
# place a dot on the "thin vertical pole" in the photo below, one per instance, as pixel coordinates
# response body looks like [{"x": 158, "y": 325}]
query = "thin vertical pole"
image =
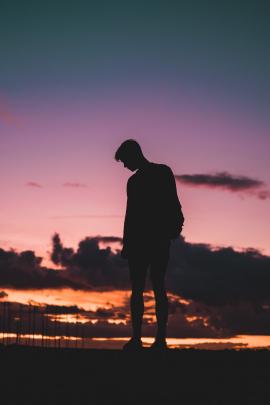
[
  {"x": 7, "y": 323},
  {"x": 21, "y": 322},
  {"x": 34, "y": 325},
  {"x": 29, "y": 324},
  {"x": 46, "y": 327},
  {"x": 42, "y": 326},
  {"x": 2, "y": 322},
  {"x": 82, "y": 334},
  {"x": 1, "y": 318},
  {"x": 76, "y": 330},
  {"x": 54, "y": 331},
  {"x": 67, "y": 331},
  {"x": 17, "y": 327}
]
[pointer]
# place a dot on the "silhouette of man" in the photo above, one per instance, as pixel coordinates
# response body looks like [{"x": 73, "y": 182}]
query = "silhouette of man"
[{"x": 153, "y": 217}]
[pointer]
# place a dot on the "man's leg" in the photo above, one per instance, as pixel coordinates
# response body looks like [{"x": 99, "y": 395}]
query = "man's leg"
[
  {"x": 157, "y": 273},
  {"x": 138, "y": 270},
  {"x": 137, "y": 307}
]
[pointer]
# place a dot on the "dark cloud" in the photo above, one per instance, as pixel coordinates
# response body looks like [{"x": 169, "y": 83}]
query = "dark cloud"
[
  {"x": 221, "y": 180},
  {"x": 100, "y": 323},
  {"x": 195, "y": 271},
  {"x": 243, "y": 318},
  {"x": 90, "y": 264},
  {"x": 33, "y": 184},
  {"x": 223, "y": 291},
  {"x": 63, "y": 309},
  {"x": 105, "y": 313},
  {"x": 110, "y": 239},
  {"x": 3, "y": 294},
  {"x": 218, "y": 276},
  {"x": 59, "y": 254},
  {"x": 24, "y": 271},
  {"x": 226, "y": 181}
]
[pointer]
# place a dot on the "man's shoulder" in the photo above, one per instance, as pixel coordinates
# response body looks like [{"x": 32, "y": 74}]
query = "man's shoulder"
[
  {"x": 154, "y": 169},
  {"x": 162, "y": 168}
]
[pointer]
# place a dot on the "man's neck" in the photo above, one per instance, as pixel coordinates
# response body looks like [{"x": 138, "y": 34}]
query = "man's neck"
[{"x": 144, "y": 163}]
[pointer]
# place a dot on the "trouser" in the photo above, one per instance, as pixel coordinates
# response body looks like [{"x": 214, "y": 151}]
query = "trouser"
[{"x": 141, "y": 256}]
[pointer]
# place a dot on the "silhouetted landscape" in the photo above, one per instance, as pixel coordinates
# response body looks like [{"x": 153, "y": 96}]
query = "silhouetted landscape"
[
  {"x": 77, "y": 376},
  {"x": 134, "y": 209}
]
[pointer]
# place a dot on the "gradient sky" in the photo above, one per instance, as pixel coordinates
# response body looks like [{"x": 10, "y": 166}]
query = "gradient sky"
[{"x": 189, "y": 81}]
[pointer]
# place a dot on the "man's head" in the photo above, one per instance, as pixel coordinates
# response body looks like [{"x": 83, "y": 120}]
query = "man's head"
[{"x": 130, "y": 153}]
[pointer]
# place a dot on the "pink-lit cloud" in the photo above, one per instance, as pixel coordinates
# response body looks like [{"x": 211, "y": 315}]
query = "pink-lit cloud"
[
  {"x": 74, "y": 184},
  {"x": 33, "y": 184}
]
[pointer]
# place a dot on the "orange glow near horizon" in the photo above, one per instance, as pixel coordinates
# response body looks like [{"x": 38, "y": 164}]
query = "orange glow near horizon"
[
  {"x": 239, "y": 342},
  {"x": 87, "y": 300},
  {"x": 119, "y": 300}
]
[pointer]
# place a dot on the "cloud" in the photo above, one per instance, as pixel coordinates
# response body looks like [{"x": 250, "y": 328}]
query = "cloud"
[
  {"x": 3, "y": 294},
  {"x": 109, "y": 239},
  {"x": 221, "y": 180},
  {"x": 264, "y": 194},
  {"x": 217, "y": 292},
  {"x": 62, "y": 309},
  {"x": 24, "y": 271},
  {"x": 74, "y": 184},
  {"x": 226, "y": 181},
  {"x": 33, "y": 184},
  {"x": 116, "y": 322},
  {"x": 195, "y": 271},
  {"x": 92, "y": 265},
  {"x": 218, "y": 276},
  {"x": 59, "y": 254},
  {"x": 103, "y": 322}
]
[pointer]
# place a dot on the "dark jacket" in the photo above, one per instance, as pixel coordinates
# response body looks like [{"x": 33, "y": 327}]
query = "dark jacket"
[{"x": 153, "y": 208}]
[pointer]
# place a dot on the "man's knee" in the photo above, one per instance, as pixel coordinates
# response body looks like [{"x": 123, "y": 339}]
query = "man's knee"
[
  {"x": 160, "y": 293},
  {"x": 137, "y": 289},
  {"x": 157, "y": 279}
]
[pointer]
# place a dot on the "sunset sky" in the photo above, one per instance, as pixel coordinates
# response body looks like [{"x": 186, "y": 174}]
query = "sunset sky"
[{"x": 190, "y": 82}]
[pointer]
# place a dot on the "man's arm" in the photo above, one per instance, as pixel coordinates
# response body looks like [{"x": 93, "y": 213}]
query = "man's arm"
[
  {"x": 125, "y": 232},
  {"x": 176, "y": 217}
]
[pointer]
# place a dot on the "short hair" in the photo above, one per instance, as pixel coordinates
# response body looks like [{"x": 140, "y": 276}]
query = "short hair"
[{"x": 128, "y": 148}]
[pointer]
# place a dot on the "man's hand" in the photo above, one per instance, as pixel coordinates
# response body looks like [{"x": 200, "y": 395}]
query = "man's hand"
[
  {"x": 178, "y": 233},
  {"x": 124, "y": 253}
]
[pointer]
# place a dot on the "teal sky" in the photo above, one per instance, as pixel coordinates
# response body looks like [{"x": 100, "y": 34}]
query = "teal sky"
[{"x": 99, "y": 46}]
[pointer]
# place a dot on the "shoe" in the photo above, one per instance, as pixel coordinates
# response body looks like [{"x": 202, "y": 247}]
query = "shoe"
[
  {"x": 159, "y": 345},
  {"x": 133, "y": 345}
]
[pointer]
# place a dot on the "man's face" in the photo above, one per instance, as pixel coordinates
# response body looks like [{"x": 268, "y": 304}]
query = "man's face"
[{"x": 129, "y": 164}]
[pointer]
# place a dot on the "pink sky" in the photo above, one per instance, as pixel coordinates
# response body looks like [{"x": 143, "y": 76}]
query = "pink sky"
[{"x": 59, "y": 146}]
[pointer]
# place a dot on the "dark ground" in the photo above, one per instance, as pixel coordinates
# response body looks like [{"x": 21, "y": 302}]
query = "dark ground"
[{"x": 80, "y": 376}]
